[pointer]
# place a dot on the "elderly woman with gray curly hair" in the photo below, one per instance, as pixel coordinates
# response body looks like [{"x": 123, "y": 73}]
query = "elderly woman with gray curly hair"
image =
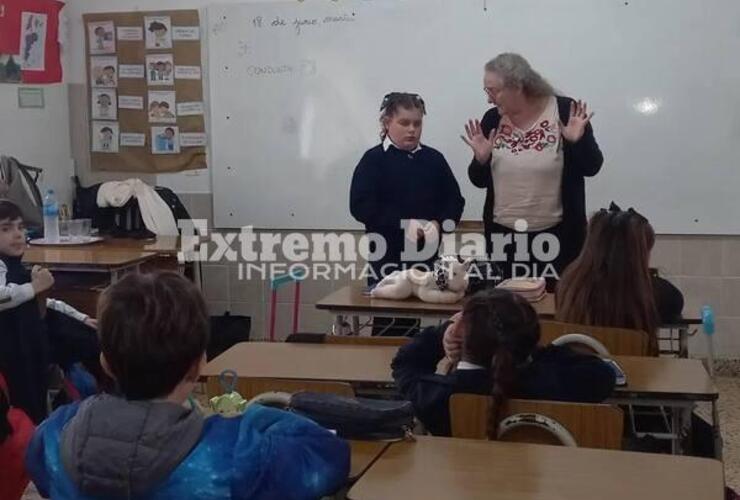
[{"x": 532, "y": 153}]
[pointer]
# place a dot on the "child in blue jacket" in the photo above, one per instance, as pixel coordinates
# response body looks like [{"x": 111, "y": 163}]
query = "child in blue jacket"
[{"x": 143, "y": 442}]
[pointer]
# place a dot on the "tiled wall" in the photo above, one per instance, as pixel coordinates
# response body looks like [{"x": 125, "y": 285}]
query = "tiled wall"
[
  {"x": 224, "y": 290},
  {"x": 705, "y": 268}
]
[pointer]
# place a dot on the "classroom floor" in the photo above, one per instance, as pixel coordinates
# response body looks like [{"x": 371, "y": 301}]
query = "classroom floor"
[{"x": 729, "y": 414}]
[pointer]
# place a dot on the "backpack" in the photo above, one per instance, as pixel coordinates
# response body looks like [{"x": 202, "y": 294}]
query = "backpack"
[{"x": 121, "y": 222}]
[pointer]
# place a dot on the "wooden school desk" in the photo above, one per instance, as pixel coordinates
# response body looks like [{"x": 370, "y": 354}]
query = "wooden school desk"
[
  {"x": 77, "y": 285},
  {"x": 363, "y": 455},
  {"x": 87, "y": 260},
  {"x": 167, "y": 249},
  {"x": 335, "y": 362},
  {"x": 443, "y": 468},
  {"x": 647, "y": 378},
  {"x": 350, "y": 301},
  {"x": 81, "y": 272},
  {"x": 670, "y": 382},
  {"x": 652, "y": 382}
]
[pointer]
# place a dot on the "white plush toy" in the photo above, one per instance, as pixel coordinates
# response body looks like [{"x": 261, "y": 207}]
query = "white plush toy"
[{"x": 445, "y": 285}]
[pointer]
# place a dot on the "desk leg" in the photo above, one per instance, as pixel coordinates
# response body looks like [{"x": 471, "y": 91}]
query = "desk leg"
[
  {"x": 716, "y": 434},
  {"x": 676, "y": 430},
  {"x": 339, "y": 323},
  {"x": 683, "y": 342},
  {"x": 680, "y": 429},
  {"x": 355, "y": 325},
  {"x": 687, "y": 430}
]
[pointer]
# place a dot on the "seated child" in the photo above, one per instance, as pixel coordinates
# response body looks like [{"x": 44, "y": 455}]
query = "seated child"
[
  {"x": 35, "y": 333},
  {"x": 16, "y": 430},
  {"x": 611, "y": 283},
  {"x": 494, "y": 345},
  {"x": 144, "y": 442}
]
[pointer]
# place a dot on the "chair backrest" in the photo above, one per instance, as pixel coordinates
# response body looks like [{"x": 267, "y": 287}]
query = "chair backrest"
[
  {"x": 592, "y": 425},
  {"x": 534, "y": 428},
  {"x": 306, "y": 338},
  {"x": 358, "y": 340},
  {"x": 251, "y": 387},
  {"x": 618, "y": 341},
  {"x": 582, "y": 341},
  {"x": 322, "y": 338}
]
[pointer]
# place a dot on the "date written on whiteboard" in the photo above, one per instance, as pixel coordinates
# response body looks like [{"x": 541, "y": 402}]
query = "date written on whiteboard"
[{"x": 299, "y": 24}]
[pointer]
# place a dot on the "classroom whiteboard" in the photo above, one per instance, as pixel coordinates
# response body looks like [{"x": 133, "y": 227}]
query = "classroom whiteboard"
[{"x": 296, "y": 87}]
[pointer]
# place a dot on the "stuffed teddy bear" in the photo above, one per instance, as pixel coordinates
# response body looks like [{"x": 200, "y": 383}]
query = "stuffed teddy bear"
[{"x": 445, "y": 285}]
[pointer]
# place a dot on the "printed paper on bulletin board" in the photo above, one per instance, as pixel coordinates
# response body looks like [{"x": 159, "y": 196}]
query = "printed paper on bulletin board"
[{"x": 129, "y": 158}]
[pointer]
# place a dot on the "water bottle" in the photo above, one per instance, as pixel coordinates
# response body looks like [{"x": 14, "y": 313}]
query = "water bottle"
[{"x": 51, "y": 217}]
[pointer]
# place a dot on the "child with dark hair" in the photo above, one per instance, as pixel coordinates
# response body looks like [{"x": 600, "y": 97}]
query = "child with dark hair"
[
  {"x": 104, "y": 102},
  {"x": 402, "y": 179},
  {"x": 100, "y": 38},
  {"x": 166, "y": 140},
  {"x": 159, "y": 30},
  {"x": 493, "y": 343},
  {"x": 143, "y": 442},
  {"x": 164, "y": 111},
  {"x": 16, "y": 430},
  {"x": 160, "y": 70},
  {"x": 107, "y": 77},
  {"x": 106, "y": 138},
  {"x": 35, "y": 332}
]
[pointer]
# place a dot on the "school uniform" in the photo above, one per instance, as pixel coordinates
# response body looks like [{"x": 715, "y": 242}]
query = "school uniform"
[
  {"x": 668, "y": 300},
  {"x": 552, "y": 373},
  {"x": 29, "y": 343},
  {"x": 391, "y": 184}
]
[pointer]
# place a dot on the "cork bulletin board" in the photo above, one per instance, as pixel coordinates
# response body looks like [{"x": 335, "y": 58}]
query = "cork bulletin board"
[{"x": 145, "y": 91}]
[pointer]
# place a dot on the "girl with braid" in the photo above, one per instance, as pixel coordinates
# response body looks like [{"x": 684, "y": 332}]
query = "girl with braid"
[
  {"x": 492, "y": 344},
  {"x": 403, "y": 181}
]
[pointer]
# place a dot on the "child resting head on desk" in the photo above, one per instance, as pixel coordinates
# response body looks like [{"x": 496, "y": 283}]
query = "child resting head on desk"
[
  {"x": 145, "y": 441},
  {"x": 611, "y": 284},
  {"x": 35, "y": 331},
  {"x": 493, "y": 345}
]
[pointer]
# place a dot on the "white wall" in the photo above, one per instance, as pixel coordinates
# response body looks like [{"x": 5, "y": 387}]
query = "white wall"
[{"x": 39, "y": 137}]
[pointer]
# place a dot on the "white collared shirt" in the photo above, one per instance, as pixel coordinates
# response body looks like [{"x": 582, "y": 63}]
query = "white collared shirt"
[
  {"x": 12, "y": 295},
  {"x": 387, "y": 142},
  {"x": 464, "y": 365}
]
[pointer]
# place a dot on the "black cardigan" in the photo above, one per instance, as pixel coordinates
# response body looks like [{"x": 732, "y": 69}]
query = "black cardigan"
[
  {"x": 580, "y": 159},
  {"x": 555, "y": 373}
]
